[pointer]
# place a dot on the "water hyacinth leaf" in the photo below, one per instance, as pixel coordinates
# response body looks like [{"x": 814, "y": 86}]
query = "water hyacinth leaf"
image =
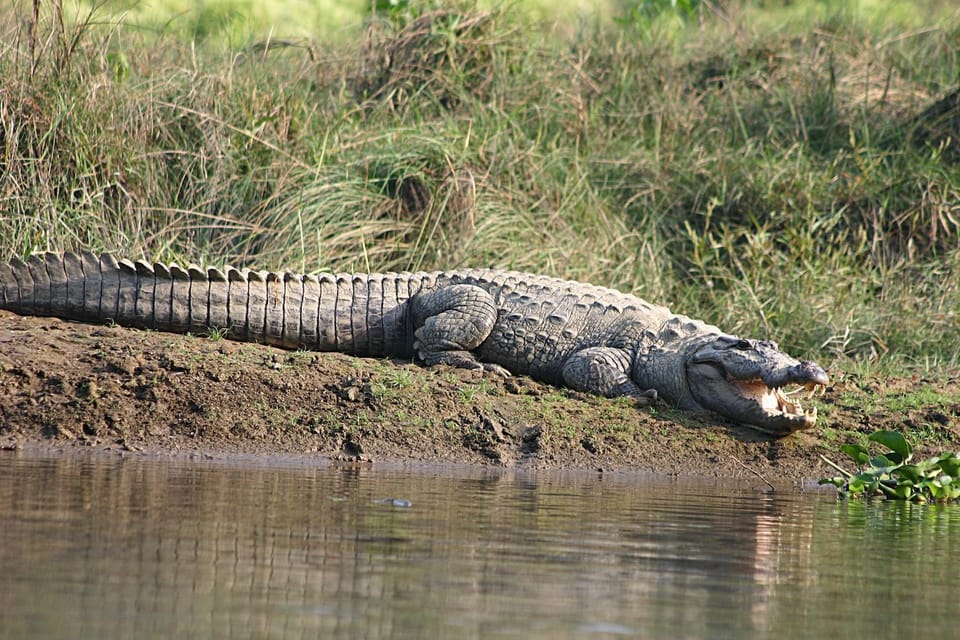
[
  {"x": 909, "y": 473},
  {"x": 949, "y": 463},
  {"x": 903, "y": 492},
  {"x": 856, "y": 485},
  {"x": 895, "y": 441},
  {"x": 866, "y": 482},
  {"x": 857, "y": 452},
  {"x": 882, "y": 464},
  {"x": 929, "y": 467}
]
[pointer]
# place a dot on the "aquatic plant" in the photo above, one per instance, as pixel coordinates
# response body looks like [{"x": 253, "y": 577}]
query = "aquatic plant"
[{"x": 892, "y": 475}]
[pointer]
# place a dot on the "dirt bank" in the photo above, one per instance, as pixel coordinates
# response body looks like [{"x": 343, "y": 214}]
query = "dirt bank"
[{"x": 69, "y": 385}]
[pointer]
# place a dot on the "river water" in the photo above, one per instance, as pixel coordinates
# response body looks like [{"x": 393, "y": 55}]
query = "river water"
[{"x": 111, "y": 547}]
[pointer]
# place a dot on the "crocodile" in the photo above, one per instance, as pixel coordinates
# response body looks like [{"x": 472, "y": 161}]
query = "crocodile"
[{"x": 585, "y": 337}]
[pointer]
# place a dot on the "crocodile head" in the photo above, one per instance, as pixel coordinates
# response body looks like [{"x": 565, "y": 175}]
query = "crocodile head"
[{"x": 749, "y": 380}]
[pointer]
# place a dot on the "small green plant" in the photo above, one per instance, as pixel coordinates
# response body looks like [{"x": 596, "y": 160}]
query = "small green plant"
[
  {"x": 892, "y": 475},
  {"x": 397, "y": 378},
  {"x": 390, "y": 382},
  {"x": 216, "y": 334}
]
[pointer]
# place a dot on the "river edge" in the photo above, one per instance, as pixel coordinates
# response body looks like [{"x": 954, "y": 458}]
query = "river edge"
[{"x": 68, "y": 386}]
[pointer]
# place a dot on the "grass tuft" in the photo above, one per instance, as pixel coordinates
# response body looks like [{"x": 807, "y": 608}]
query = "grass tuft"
[{"x": 779, "y": 172}]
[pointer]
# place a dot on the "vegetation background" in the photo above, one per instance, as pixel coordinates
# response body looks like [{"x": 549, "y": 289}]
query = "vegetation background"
[{"x": 781, "y": 169}]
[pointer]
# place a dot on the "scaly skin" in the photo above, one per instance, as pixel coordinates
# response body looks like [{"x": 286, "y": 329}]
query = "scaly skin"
[{"x": 567, "y": 333}]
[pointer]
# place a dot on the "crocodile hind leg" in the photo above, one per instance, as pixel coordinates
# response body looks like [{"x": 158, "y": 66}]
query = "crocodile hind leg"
[
  {"x": 604, "y": 371},
  {"x": 452, "y": 321}
]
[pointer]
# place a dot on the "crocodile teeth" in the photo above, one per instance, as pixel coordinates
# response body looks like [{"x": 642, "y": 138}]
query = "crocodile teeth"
[
  {"x": 793, "y": 407},
  {"x": 777, "y": 400},
  {"x": 812, "y": 388},
  {"x": 786, "y": 405}
]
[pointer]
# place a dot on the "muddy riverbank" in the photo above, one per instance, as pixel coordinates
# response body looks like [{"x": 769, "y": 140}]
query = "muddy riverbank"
[{"x": 69, "y": 385}]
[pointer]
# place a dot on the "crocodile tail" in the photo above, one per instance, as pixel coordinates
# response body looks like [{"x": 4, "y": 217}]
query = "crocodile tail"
[
  {"x": 51, "y": 284},
  {"x": 352, "y": 313}
]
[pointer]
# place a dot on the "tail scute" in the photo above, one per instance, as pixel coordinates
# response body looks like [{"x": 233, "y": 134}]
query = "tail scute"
[
  {"x": 108, "y": 297},
  {"x": 21, "y": 272},
  {"x": 92, "y": 286},
  {"x": 9, "y": 288},
  {"x": 57, "y": 279},
  {"x": 41, "y": 284}
]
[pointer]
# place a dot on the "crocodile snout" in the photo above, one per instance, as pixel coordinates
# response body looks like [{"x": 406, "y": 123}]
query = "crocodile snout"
[{"x": 809, "y": 372}]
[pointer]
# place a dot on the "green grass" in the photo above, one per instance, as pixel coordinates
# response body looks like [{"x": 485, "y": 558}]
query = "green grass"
[
  {"x": 924, "y": 397},
  {"x": 768, "y": 168}
]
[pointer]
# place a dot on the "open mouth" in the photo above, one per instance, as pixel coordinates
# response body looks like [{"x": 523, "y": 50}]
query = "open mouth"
[
  {"x": 780, "y": 402},
  {"x": 756, "y": 384}
]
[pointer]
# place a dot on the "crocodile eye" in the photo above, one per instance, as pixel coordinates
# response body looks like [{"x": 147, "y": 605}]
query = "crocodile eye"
[{"x": 743, "y": 345}]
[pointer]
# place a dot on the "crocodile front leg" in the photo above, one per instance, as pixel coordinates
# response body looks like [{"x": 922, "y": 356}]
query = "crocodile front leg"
[
  {"x": 452, "y": 321},
  {"x": 604, "y": 371}
]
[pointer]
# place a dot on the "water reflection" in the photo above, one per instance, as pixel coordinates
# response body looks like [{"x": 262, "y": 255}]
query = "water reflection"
[{"x": 109, "y": 547}]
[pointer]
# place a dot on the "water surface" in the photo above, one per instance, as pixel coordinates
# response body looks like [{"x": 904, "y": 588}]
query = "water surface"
[{"x": 110, "y": 547}]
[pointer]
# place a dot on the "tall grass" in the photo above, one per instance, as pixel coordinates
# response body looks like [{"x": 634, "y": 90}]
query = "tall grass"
[{"x": 781, "y": 177}]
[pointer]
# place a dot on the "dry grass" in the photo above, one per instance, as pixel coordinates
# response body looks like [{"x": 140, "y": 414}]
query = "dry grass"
[{"x": 800, "y": 183}]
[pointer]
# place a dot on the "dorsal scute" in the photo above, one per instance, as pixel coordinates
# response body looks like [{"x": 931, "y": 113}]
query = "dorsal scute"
[
  {"x": 86, "y": 256},
  {"x": 54, "y": 262},
  {"x": 108, "y": 262},
  {"x": 144, "y": 268}
]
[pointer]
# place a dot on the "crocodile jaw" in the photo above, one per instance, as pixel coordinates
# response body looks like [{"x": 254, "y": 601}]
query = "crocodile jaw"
[
  {"x": 746, "y": 381},
  {"x": 776, "y": 405}
]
